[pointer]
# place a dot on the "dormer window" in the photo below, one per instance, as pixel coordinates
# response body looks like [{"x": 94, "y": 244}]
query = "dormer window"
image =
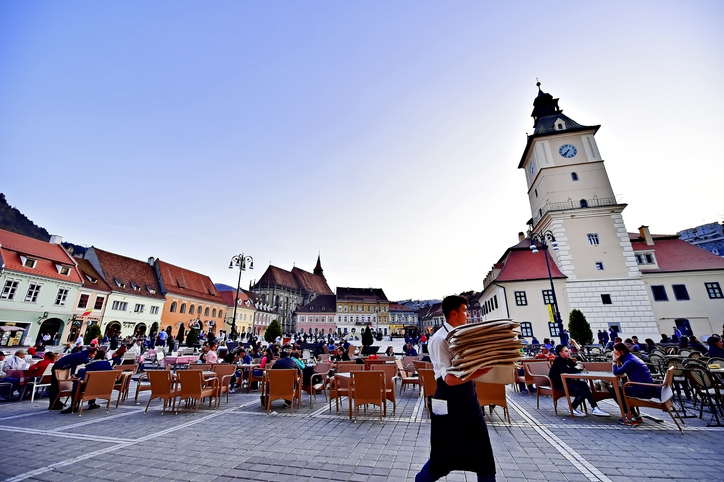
[
  {"x": 179, "y": 283},
  {"x": 559, "y": 125},
  {"x": 91, "y": 279},
  {"x": 28, "y": 262},
  {"x": 119, "y": 283},
  {"x": 64, "y": 270},
  {"x": 135, "y": 287},
  {"x": 150, "y": 290}
]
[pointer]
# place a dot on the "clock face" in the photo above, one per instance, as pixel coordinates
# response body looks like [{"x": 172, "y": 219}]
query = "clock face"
[{"x": 567, "y": 151}]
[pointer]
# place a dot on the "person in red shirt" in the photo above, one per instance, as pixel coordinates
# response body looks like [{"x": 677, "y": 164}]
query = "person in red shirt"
[{"x": 36, "y": 370}]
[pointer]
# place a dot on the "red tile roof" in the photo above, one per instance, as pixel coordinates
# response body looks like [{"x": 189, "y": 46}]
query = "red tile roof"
[
  {"x": 295, "y": 280},
  {"x": 129, "y": 272},
  {"x": 362, "y": 295},
  {"x": 674, "y": 254},
  {"x": 230, "y": 296},
  {"x": 183, "y": 282},
  {"x": 520, "y": 264},
  {"x": 91, "y": 278},
  {"x": 47, "y": 256},
  {"x": 312, "y": 283}
]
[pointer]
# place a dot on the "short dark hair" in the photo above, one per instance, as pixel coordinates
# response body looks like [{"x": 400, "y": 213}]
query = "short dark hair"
[
  {"x": 452, "y": 303},
  {"x": 559, "y": 348},
  {"x": 622, "y": 348},
  {"x": 713, "y": 339}
]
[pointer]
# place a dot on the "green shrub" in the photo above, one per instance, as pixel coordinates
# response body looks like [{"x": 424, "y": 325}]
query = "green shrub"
[
  {"x": 180, "y": 336},
  {"x": 579, "y": 328},
  {"x": 92, "y": 332},
  {"x": 367, "y": 339},
  {"x": 273, "y": 331},
  {"x": 192, "y": 338}
]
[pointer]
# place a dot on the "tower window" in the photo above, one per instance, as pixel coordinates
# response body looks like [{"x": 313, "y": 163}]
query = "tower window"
[
  {"x": 680, "y": 292},
  {"x": 599, "y": 266},
  {"x": 714, "y": 290},
  {"x": 659, "y": 293},
  {"x": 606, "y": 299},
  {"x": 536, "y": 192},
  {"x": 574, "y": 176},
  {"x": 593, "y": 238},
  {"x": 584, "y": 203}
]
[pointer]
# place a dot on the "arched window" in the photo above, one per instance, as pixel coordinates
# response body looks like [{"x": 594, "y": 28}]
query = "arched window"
[
  {"x": 584, "y": 203},
  {"x": 183, "y": 308},
  {"x": 574, "y": 176},
  {"x": 221, "y": 314},
  {"x": 191, "y": 310},
  {"x": 206, "y": 311},
  {"x": 173, "y": 307},
  {"x": 213, "y": 313}
]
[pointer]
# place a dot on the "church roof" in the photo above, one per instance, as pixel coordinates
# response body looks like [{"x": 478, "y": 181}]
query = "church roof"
[
  {"x": 361, "y": 295},
  {"x": 673, "y": 254},
  {"x": 295, "y": 280},
  {"x": 519, "y": 263}
]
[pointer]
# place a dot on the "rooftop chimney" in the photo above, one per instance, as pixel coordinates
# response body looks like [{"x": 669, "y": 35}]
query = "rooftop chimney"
[
  {"x": 644, "y": 233},
  {"x": 151, "y": 260},
  {"x": 55, "y": 239},
  {"x": 521, "y": 236}
]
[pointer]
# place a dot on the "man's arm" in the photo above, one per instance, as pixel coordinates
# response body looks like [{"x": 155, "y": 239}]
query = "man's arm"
[{"x": 453, "y": 380}]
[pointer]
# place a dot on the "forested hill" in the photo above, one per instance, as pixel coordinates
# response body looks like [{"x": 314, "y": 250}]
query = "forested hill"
[{"x": 16, "y": 222}]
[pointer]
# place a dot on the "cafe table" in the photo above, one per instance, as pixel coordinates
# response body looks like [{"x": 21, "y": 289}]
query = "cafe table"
[{"x": 594, "y": 375}]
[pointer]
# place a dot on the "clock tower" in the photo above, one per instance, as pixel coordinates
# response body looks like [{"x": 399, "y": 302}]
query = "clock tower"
[{"x": 571, "y": 198}]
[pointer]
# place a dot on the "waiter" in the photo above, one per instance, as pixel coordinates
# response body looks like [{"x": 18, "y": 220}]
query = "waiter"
[
  {"x": 68, "y": 361},
  {"x": 459, "y": 437}
]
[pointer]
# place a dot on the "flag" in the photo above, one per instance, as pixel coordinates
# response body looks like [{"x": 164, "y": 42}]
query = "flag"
[{"x": 87, "y": 312}]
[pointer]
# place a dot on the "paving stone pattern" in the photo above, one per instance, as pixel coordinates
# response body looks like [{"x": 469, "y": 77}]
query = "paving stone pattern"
[{"x": 239, "y": 442}]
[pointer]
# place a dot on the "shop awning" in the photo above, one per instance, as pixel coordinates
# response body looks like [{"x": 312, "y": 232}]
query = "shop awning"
[{"x": 11, "y": 328}]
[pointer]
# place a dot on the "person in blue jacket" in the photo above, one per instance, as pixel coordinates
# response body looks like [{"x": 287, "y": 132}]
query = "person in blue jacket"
[
  {"x": 625, "y": 363},
  {"x": 68, "y": 361}
]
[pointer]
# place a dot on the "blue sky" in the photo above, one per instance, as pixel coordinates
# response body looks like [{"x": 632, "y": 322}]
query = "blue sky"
[{"x": 385, "y": 135}]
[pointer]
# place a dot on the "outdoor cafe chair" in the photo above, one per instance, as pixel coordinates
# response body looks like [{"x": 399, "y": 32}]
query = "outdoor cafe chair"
[
  {"x": 492, "y": 395},
  {"x": 142, "y": 383},
  {"x": 255, "y": 377},
  {"x": 282, "y": 384},
  {"x": 407, "y": 377},
  {"x": 319, "y": 378},
  {"x": 390, "y": 371},
  {"x": 408, "y": 361},
  {"x": 662, "y": 403},
  {"x": 538, "y": 372},
  {"x": 96, "y": 385},
  {"x": 194, "y": 387},
  {"x": 42, "y": 381},
  {"x": 340, "y": 385},
  {"x": 123, "y": 383},
  {"x": 429, "y": 386},
  {"x": 224, "y": 373},
  {"x": 163, "y": 386},
  {"x": 367, "y": 388},
  {"x": 65, "y": 385}
]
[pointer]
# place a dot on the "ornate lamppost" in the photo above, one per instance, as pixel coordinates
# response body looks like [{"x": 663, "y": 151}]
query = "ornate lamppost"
[
  {"x": 547, "y": 240},
  {"x": 242, "y": 262}
]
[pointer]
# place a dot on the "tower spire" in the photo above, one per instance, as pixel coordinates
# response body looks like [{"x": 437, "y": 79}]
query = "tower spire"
[
  {"x": 543, "y": 105},
  {"x": 318, "y": 268}
]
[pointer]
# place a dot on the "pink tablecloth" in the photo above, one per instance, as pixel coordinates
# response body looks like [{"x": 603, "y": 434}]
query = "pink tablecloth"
[{"x": 177, "y": 360}]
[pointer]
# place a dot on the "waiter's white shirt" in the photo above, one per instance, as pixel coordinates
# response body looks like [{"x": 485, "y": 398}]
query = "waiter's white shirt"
[{"x": 440, "y": 351}]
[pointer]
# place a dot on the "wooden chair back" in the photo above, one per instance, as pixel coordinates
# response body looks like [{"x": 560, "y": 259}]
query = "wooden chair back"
[
  {"x": 368, "y": 387},
  {"x": 663, "y": 402},
  {"x": 98, "y": 385},
  {"x": 538, "y": 373},
  {"x": 344, "y": 367},
  {"x": 429, "y": 386},
  {"x": 408, "y": 361},
  {"x": 192, "y": 386},
  {"x": 597, "y": 366},
  {"x": 390, "y": 371},
  {"x": 492, "y": 395},
  {"x": 282, "y": 384}
]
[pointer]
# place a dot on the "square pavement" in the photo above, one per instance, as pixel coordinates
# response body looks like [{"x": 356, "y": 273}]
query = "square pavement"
[{"x": 238, "y": 442}]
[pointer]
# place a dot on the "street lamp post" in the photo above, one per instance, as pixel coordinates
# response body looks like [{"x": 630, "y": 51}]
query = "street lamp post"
[
  {"x": 242, "y": 262},
  {"x": 547, "y": 239}
]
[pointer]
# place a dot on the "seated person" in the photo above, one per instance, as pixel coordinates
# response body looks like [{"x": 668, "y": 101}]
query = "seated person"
[
  {"x": 716, "y": 346},
  {"x": 36, "y": 370},
  {"x": 390, "y": 351},
  {"x": 684, "y": 342},
  {"x": 211, "y": 355},
  {"x": 535, "y": 341},
  {"x": 649, "y": 346},
  {"x": 545, "y": 355},
  {"x": 695, "y": 344},
  {"x": 631, "y": 345},
  {"x": 117, "y": 358},
  {"x": 610, "y": 344},
  {"x": 16, "y": 362},
  {"x": 578, "y": 388},
  {"x": 664, "y": 338},
  {"x": 340, "y": 355},
  {"x": 625, "y": 363},
  {"x": 99, "y": 363},
  {"x": 410, "y": 350},
  {"x": 285, "y": 362}
]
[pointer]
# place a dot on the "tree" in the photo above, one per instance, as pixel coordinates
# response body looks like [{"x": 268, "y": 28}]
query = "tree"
[
  {"x": 180, "y": 336},
  {"x": 579, "y": 328},
  {"x": 273, "y": 331},
  {"x": 92, "y": 332},
  {"x": 367, "y": 339},
  {"x": 192, "y": 338}
]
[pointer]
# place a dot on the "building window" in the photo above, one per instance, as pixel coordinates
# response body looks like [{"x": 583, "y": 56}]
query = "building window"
[
  {"x": 83, "y": 301},
  {"x": 119, "y": 306},
  {"x": 659, "y": 293},
  {"x": 553, "y": 329},
  {"x": 206, "y": 311},
  {"x": 526, "y": 329},
  {"x": 606, "y": 299},
  {"x": 172, "y": 309},
  {"x": 646, "y": 258},
  {"x": 99, "y": 302},
  {"x": 521, "y": 299},
  {"x": 547, "y": 297},
  {"x": 495, "y": 301},
  {"x": 33, "y": 292},
  {"x": 593, "y": 238},
  {"x": 11, "y": 286},
  {"x": 154, "y": 310},
  {"x": 714, "y": 290},
  {"x": 183, "y": 308},
  {"x": 64, "y": 270},
  {"x": 680, "y": 292},
  {"x": 574, "y": 176},
  {"x": 584, "y": 203},
  {"x": 191, "y": 310},
  {"x": 28, "y": 262},
  {"x": 536, "y": 192},
  {"x": 599, "y": 266},
  {"x": 213, "y": 313},
  {"x": 61, "y": 296}
]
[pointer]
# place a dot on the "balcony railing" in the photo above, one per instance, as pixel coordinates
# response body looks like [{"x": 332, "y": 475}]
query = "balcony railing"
[{"x": 582, "y": 204}]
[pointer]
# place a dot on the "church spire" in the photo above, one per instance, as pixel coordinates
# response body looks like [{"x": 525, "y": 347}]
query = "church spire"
[
  {"x": 318, "y": 269},
  {"x": 543, "y": 105}
]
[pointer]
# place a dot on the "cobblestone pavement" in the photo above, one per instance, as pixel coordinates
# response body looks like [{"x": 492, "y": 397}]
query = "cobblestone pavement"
[{"x": 239, "y": 442}]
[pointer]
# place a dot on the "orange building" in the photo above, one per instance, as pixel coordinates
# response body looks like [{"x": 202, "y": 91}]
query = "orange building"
[{"x": 191, "y": 299}]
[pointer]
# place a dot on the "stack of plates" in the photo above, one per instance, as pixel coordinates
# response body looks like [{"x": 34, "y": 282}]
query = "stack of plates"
[{"x": 485, "y": 344}]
